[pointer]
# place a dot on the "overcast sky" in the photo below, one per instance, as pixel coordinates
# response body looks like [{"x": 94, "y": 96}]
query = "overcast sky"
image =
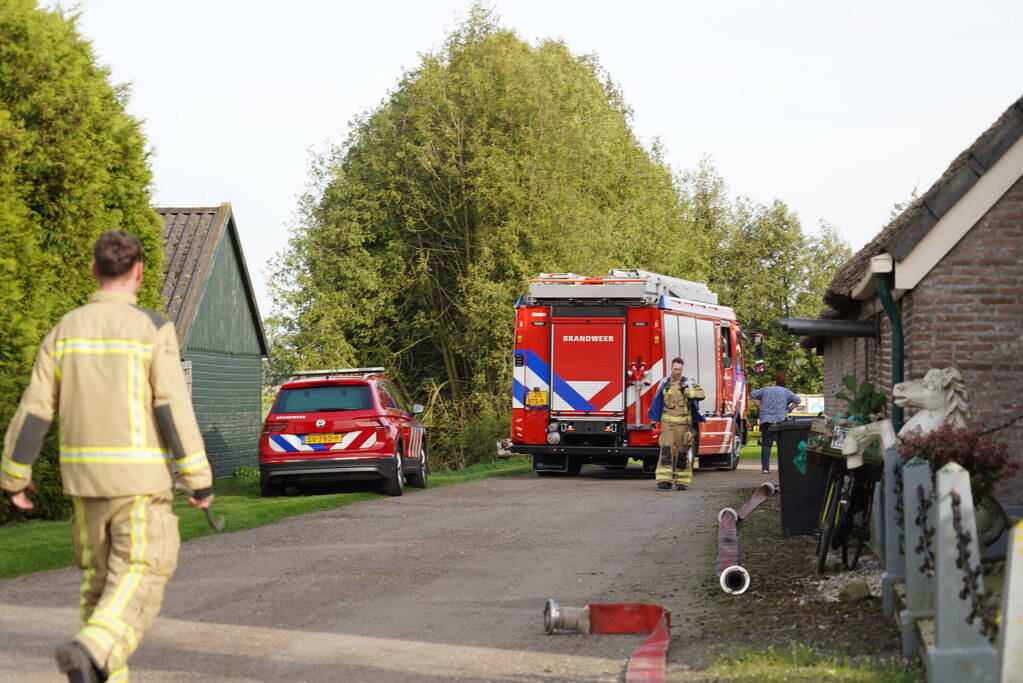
[{"x": 839, "y": 109}]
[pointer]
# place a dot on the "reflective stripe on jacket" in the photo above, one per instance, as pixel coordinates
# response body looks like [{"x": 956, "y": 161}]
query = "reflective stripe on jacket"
[
  {"x": 657, "y": 405},
  {"x": 113, "y": 371}
]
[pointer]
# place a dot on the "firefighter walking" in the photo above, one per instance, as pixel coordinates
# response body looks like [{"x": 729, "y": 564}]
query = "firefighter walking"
[
  {"x": 676, "y": 407},
  {"x": 113, "y": 370}
]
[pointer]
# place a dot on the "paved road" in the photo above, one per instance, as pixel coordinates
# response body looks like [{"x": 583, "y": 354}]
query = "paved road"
[{"x": 440, "y": 584}]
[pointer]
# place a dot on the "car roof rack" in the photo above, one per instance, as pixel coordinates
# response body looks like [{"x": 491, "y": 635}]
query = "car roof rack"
[{"x": 364, "y": 373}]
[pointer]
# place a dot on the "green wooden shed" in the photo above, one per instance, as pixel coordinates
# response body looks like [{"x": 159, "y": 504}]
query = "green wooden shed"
[{"x": 211, "y": 301}]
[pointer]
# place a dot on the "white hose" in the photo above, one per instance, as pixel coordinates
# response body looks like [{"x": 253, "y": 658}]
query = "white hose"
[{"x": 734, "y": 580}]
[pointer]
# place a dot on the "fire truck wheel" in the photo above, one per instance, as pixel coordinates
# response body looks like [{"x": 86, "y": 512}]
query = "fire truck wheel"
[
  {"x": 395, "y": 486},
  {"x": 650, "y": 467},
  {"x": 736, "y": 452}
]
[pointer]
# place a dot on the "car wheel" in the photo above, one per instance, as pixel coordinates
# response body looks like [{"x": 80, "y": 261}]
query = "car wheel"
[
  {"x": 419, "y": 477},
  {"x": 395, "y": 486},
  {"x": 736, "y": 452},
  {"x": 268, "y": 490}
]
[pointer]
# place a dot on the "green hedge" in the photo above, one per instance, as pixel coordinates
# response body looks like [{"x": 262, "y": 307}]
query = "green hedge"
[{"x": 73, "y": 163}]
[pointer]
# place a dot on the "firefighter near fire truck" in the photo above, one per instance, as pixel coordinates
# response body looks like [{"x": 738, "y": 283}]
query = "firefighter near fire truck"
[
  {"x": 676, "y": 408},
  {"x": 113, "y": 369},
  {"x": 591, "y": 355}
]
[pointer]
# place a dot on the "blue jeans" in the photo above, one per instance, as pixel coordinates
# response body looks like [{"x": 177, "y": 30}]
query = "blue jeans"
[{"x": 766, "y": 441}]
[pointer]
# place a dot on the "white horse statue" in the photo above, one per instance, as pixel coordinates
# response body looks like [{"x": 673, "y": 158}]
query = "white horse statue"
[{"x": 940, "y": 397}]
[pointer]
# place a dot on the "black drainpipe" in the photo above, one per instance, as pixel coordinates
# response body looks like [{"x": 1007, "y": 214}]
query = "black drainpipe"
[{"x": 898, "y": 342}]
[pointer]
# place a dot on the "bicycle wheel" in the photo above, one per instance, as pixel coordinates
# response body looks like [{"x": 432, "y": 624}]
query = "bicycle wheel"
[
  {"x": 859, "y": 523},
  {"x": 829, "y": 516}
]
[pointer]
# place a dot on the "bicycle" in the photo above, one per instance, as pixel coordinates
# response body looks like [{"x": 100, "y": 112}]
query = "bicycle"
[{"x": 845, "y": 512}]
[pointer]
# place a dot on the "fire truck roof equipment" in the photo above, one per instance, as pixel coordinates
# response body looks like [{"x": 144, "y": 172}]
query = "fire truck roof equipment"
[{"x": 619, "y": 284}]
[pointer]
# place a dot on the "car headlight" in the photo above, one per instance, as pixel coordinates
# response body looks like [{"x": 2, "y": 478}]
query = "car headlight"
[
  {"x": 553, "y": 438},
  {"x": 552, "y": 427}
]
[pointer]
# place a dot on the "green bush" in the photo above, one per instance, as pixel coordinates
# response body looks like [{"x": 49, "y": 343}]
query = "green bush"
[
  {"x": 465, "y": 433},
  {"x": 72, "y": 164}
]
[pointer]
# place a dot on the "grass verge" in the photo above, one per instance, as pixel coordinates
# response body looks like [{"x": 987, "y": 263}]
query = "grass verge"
[
  {"x": 36, "y": 546},
  {"x": 801, "y": 663}
]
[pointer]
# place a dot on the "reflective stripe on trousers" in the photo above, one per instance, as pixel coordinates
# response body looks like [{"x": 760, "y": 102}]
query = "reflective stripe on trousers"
[{"x": 127, "y": 549}]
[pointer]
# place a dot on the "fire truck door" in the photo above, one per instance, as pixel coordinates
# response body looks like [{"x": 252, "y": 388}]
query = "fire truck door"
[
  {"x": 588, "y": 365},
  {"x": 694, "y": 338}
]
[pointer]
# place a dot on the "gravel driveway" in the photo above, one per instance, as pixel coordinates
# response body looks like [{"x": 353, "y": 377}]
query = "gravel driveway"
[{"x": 441, "y": 584}]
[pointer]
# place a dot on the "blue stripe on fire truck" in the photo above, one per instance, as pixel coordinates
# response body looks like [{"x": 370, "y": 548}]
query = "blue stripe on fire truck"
[
  {"x": 562, "y": 389},
  {"x": 518, "y": 393},
  {"x": 569, "y": 395}
]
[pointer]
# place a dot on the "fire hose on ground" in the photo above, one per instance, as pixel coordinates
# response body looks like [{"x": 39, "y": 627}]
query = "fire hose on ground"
[
  {"x": 734, "y": 578},
  {"x": 646, "y": 663}
]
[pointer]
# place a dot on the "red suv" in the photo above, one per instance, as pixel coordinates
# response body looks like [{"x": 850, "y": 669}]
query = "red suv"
[{"x": 341, "y": 425}]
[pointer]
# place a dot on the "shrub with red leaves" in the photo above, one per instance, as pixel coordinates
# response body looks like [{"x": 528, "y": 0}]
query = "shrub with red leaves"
[{"x": 985, "y": 460}]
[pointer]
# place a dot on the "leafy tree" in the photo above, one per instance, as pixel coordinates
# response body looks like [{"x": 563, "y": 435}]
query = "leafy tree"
[
  {"x": 72, "y": 164},
  {"x": 491, "y": 161},
  {"x": 765, "y": 267}
]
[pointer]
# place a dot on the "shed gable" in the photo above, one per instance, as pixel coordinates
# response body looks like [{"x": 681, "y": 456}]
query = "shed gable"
[{"x": 223, "y": 322}]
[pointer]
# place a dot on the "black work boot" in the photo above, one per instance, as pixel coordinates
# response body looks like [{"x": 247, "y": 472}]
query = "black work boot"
[
  {"x": 664, "y": 485},
  {"x": 74, "y": 661},
  {"x": 681, "y": 487}
]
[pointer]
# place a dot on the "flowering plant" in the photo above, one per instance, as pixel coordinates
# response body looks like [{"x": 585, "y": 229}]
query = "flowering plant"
[{"x": 986, "y": 461}]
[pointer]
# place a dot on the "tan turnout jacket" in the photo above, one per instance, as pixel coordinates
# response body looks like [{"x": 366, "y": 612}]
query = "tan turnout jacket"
[{"x": 113, "y": 369}]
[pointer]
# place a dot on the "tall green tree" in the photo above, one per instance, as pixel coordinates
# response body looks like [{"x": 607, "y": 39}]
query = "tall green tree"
[
  {"x": 491, "y": 161},
  {"x": 72, "y": 164},
  {"x": 765, "y": 266}
]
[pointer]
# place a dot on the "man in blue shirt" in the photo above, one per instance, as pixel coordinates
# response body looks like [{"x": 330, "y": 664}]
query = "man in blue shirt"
[{"x": 775, "y": 403}]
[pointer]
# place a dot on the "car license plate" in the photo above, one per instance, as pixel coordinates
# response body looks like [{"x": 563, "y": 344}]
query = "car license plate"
[
  {"x": 324, "y": 438},
  {"x": 839, "y": 439},
  {"x": 536, "y": 398}
]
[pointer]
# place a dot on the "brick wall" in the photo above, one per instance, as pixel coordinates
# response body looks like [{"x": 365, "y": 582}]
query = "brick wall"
[
  {"x": 865, "y": 359},
  {"x": 968, "y": 313}
]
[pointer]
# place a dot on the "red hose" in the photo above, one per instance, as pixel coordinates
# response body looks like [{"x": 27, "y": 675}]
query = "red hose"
[
  {"x": 647, "y": 661},
  {"x": 762, "y": 493}
]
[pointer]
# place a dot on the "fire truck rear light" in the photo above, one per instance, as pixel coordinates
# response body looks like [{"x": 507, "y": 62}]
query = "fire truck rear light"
[
  {"x": 274, "y": 427},
  {"x": 518, "y": 339},
  {"x": 657, "y": 339}
]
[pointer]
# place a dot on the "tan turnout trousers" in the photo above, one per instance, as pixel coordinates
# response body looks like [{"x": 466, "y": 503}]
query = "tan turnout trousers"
[
  {"x": 675, "y": 466},
  {"x": 127, "y": 549}
]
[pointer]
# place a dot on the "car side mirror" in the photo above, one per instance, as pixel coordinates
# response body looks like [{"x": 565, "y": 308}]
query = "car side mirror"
[
  {"x": 418, "y": 408},
  {"x": 726, "y": 362}
]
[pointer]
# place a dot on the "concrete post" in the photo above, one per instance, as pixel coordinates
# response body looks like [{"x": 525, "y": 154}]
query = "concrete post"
[
  {"x": 1010, "y": 636},
  {"x": 960, "y": 652},
  {"x": 894, "y": 559},
  {"x": 916, "y": 474}
]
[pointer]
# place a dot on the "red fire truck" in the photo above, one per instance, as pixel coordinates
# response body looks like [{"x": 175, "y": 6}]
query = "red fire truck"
[{"x": 589, "y": 354}]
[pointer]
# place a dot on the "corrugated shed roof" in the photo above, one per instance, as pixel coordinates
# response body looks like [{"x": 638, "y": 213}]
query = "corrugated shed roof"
[
  {"x": 907, "y": 229},
  {"x": 191, "y": 236}
]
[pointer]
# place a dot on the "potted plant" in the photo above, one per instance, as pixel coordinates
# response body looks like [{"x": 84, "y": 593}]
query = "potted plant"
[
  {"x": 866, "y": 404},
  {"x": 987, "y": 462}
]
